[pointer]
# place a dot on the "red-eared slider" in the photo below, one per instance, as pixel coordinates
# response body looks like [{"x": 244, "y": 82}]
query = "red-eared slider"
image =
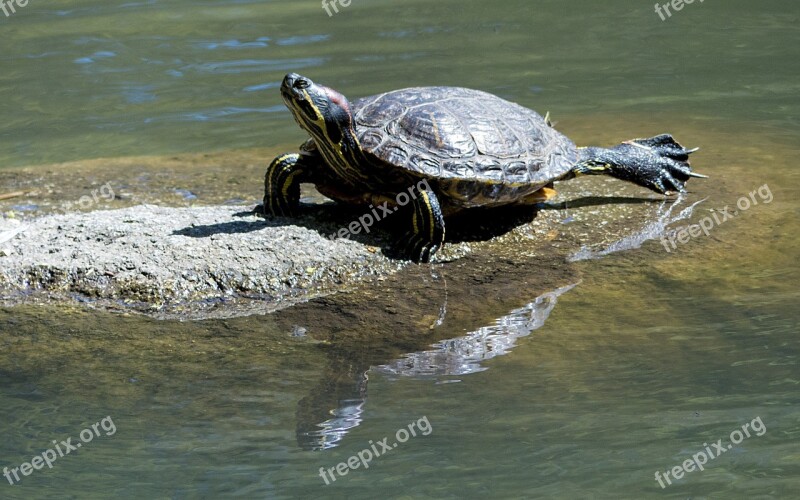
[{"x": 442, "y": 150}]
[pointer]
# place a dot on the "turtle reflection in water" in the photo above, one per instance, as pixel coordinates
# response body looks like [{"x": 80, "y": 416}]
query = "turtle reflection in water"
[
  {"x": 467, "y": 147},
  {"x": 321, "y": 425}
]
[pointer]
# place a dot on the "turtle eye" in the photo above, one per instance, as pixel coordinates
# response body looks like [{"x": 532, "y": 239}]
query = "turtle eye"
[{"x": 301, "y": 83}]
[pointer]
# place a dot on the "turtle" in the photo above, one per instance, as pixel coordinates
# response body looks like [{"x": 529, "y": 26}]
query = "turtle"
[{"x": 439, "y": 151}]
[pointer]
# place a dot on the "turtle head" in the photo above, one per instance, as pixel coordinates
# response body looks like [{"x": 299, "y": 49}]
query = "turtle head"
[{"x": 319, "y": 110}]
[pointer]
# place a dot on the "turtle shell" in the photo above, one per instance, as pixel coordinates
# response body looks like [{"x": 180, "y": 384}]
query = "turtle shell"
[{"x": 452, "y": 135}]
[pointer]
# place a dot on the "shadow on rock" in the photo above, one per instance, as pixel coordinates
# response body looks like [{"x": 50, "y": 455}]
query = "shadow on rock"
[{"x": 477, "y": 224}]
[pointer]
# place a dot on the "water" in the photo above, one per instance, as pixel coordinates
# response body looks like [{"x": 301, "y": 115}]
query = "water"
[
  {"x": 88, "y": 79},
  {"x": 651, "y": 355}
]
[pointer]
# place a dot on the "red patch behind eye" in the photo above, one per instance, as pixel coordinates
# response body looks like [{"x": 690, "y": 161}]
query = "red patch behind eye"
[{"x": 338, "y": 99}]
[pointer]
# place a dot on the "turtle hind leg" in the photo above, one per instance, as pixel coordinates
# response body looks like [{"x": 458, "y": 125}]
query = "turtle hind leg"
[
  {"x": 426, "y": 234},
  {"x": 659, "y": 163},
  {"x": 282, "y": 185}
]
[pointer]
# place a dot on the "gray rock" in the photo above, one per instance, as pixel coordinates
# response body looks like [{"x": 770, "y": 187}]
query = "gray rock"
[{"x": 176, "y": 262}]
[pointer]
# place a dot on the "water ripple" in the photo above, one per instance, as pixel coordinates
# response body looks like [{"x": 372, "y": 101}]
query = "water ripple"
[
  {"x": 103, "y": 54},
  {"x": 235, "y": 44},
  {"x": 262, "y": 86},
  {"x": 212, "y": 115},
  {"x": 303, "y": 40},
  {"x": 256, "y": 65}
]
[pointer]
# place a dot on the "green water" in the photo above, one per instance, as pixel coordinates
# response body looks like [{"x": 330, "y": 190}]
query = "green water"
[{"x": 650, "y": 356}]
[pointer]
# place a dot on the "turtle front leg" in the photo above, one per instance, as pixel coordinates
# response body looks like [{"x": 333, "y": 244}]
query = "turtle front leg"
[
  {"x": 426, "y": 235},
  {"x": 282, "y": 184}
]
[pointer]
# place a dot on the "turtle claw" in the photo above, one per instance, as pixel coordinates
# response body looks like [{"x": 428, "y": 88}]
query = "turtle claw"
[
  {"x": 664, "y": 182},
  {"x": 668, "y": 185},
  {"x": 659, "y": 163}
]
